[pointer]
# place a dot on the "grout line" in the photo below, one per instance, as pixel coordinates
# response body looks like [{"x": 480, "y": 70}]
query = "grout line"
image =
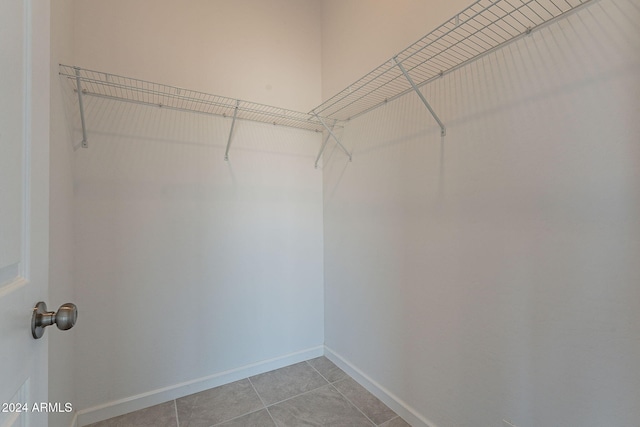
[
  {"x": 256, "y": 390},
  {"x": 272, "y": 419},
  {"x": 353, "y": 404},
  {"x": 175, "y": 407},
  {"x": 394, "y": 418},
  {"x": 313, "y": 367},
  {"x": 335, "y": 382},
  {"x": 264, "y": 404},
  {"x": 235, "y": 418},
  {"x": 298, "y": 395},
  {"x": 292, "y": 397}
]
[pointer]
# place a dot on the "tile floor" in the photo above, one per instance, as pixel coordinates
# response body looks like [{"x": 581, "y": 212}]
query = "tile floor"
[{"x": 311, "y": 393}]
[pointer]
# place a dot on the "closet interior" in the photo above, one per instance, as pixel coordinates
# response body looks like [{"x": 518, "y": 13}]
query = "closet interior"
[{"x": 471, "y": 197}]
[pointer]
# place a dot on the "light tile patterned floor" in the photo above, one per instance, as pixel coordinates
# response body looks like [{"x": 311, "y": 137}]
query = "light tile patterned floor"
[{"x": 311, "y": 393}]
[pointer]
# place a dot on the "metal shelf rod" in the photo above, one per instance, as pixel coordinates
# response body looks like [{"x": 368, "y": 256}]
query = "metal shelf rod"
[
  {"x": 182, "y": 98},
  {"x": 324, "y": 144},
  {"x": 168, "y": 107},
  {"x": 233, "y": 123},
  {"x": 112, "y": 86},
  {"x": 85, "y": 142},
  {"x": 189, "y": 110},
  {"x": 333, "y": 135},
  {"x": 443, "y": 130}
]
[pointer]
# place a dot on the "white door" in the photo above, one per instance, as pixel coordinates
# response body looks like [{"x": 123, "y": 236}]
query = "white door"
[{"x": 24, "y": 210}]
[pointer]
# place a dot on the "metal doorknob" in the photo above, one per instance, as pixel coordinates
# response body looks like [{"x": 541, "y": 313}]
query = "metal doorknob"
[{"x": 64, "y": 318}]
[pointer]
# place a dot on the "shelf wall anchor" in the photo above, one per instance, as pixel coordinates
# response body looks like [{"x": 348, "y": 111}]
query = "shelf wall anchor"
[
  {"x": 233, "y": 123},
  {"x": 332, "y": 135},
  {"x": 85, "y": 142},
  {"x": 443, "y": 129}
]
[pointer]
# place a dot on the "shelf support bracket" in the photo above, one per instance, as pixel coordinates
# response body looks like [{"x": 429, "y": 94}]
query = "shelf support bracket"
[
  {"x": 324, "y": 144},
  {"x": 233, "y": 123},
  {"x": 443, "y": 129},
  {"x": 85, "y": 142},
  {"x": 332, "y": 135}
]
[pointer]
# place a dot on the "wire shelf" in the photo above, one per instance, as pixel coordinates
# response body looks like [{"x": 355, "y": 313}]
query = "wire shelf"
[
  {"x": 106, "y": 85},
  {"x": 482, "y": 27}
]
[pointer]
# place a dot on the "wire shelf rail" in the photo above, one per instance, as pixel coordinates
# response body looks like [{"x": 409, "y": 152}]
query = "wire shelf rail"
[
  {"x": 483, "y": 27},
  {"x": 479, "y": 29},
  {"x": 112, "y": 86}
]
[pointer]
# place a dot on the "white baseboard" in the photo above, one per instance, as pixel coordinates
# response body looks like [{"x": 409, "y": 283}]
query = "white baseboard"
[
  {"x": 165, "y": 394},
  {"x": 400, "y": 407}
]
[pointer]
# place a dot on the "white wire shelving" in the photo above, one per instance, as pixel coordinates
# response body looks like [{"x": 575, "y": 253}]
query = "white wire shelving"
[
  {"x": 106, "y": 85},
  {"x": 481, "y": 28},
  {"x": 111, "y": 86}
]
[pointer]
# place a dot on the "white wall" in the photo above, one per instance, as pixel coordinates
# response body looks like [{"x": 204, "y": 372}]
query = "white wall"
[
  {"x": 188, "y": 267},
  {"x": 62, "y": 346},
  {"x": 494, "y": 275},
  {"x": 256, "y": 50}
]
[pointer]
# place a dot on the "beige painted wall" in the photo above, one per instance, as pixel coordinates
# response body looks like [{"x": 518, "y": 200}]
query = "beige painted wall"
[
  {"x": 494, "y": 274},
  {"x": 255, "y": 50},
  {"x": 229, "y": 252}
]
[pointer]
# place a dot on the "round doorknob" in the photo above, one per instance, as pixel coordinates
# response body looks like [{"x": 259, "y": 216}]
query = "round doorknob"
[{"x": 64, "y": 318}]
